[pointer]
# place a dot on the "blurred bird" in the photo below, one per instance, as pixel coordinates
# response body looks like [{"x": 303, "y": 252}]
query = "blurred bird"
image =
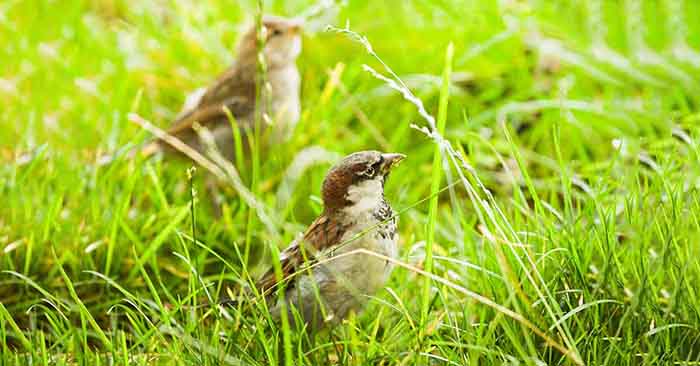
[
  {"x": 235, "y": 90},
  {"x": 355, "y": 216}
]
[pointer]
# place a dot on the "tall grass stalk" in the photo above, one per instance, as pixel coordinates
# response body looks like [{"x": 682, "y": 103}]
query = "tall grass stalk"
[{"x": 435, "y": 182}]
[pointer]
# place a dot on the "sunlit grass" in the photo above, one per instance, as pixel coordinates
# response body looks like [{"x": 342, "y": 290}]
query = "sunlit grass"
[{"x": 567, "y": 234}]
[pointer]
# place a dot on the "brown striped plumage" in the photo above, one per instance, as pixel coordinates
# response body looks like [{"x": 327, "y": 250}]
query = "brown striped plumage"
[
  {"x": 236, "y": 90},
  {"x": 355, "y": 216}
]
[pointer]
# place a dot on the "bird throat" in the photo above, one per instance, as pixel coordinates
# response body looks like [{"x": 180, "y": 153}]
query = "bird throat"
[{"x": 364, "y": 197}]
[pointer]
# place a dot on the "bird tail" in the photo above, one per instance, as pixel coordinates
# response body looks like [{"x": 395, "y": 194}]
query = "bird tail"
[
  {"x": 231, "y": 297},
  {"x": 229, "y": 302}
]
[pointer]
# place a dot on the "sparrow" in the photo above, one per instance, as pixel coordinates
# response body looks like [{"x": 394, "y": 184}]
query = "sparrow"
[
  {"x": 235, "y": 90},
  {"x": 321, "y": 284}
]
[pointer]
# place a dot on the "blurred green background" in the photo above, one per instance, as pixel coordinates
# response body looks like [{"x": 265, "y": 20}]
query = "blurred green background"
[{"x": 600, "y": 99}]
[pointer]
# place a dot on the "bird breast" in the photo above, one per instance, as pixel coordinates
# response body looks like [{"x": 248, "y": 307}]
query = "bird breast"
[
  {"x": 346, "y": 282},
  {"x": 285, "y": 104},
  {"x": 375, "y": 231}
]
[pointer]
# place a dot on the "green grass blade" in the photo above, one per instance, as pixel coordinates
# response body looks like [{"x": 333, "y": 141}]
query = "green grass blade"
[
  {"x": 84, "y": 312},
  {"x": 435, "y": 182}
]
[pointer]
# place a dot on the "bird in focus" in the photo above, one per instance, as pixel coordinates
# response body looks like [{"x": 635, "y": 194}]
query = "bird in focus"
[
  {"x": 236, "y": 91},
  {"x": 355, "y": 216}
]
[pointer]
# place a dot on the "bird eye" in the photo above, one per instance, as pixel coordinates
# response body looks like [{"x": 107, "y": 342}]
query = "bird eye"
[
  {"x": 369, "y": 172},
  {"x": 276, "y": 32}
]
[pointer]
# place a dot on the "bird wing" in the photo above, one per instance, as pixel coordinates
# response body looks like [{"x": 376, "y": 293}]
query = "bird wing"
[
  {"x": 232, "y": 90},
  {"x": 323, "y": 234},
  {"x": 236, "y": 81},
  {"x": 240, "y": 107}
]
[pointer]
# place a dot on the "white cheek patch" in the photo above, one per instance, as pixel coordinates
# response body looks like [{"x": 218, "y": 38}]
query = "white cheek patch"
[{"x": 364, "y": 196}]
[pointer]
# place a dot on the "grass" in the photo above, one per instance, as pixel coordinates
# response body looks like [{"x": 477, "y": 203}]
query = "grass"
[{"x": 561, "y": 230}]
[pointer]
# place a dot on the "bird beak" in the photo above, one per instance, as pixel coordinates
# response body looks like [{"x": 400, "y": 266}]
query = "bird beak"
[{"x": 391, "y": 160}]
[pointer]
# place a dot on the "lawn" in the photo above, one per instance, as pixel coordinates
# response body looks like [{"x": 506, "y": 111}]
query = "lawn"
[{"x": 557, "y": 224}]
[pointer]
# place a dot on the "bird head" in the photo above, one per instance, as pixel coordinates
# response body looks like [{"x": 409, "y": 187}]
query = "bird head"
[
  {"x": 281, "y": 38},
  {"x": 357, "y": 182}
]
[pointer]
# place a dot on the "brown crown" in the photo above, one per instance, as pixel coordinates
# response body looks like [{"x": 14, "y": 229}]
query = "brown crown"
[{"x": 350, "y": 170}]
